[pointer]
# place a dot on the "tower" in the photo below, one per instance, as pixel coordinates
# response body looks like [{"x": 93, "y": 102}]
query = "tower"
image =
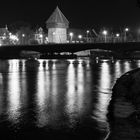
[{"x": 57, "y": 25}]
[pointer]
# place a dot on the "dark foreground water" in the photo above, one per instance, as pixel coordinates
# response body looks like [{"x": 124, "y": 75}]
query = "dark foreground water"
[{"x": 57, "y": 99}]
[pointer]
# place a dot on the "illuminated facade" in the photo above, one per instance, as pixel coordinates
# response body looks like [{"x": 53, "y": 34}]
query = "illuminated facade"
[
  {"x": 7, "y": 38},
  {"x": 57, "y": 26},
  {"x": 39, "y": 36},
  {"x": 4, "y": 35}
]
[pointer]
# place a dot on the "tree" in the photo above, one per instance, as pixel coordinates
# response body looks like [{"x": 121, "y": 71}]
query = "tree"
[
  {"x": 25, "y": 34},
  {"x": 23, "y": 30},
  {"x": 15, "y": 26}
]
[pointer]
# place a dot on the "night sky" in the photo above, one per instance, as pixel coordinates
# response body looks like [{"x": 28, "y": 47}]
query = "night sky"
[{"x": 80, "y": 13}]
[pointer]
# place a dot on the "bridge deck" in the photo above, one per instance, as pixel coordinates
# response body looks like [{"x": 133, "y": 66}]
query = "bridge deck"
[{"x": 129, "y": 46}]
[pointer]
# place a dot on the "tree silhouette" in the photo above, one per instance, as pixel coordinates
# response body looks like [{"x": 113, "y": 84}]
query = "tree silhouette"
[{"x": 16, "y": 26}]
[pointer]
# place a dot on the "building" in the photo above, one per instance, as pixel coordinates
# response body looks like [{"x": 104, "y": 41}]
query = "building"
[
  {"x": 57, "y": 26},
  {"x": 39, "y": 36},
  {"x": 4, "y": 36}
]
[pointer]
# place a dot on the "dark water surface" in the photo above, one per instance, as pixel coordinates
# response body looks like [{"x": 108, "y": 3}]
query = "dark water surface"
[{"x": 57, "y": 99}]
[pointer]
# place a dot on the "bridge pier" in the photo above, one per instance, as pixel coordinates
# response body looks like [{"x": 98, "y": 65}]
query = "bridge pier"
[{"x": 101, "y": 50}]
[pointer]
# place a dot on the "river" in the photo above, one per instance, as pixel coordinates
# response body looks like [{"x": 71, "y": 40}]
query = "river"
[{"x": 52, "y": 99}]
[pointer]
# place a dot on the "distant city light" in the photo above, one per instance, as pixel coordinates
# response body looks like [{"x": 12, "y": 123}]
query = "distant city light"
[
  {"x": 87, "y": 31},
  {"x": 40, "y": 35},
  {"x": 71, "y": 34},
  {"x": 104, "y": 32},
  {"x": 87, "y": 35},
  {"x": 117, "y": 35},
  {"x": 13, "y": 37},
  {"x": 125, "y": 34},
  {"x": 80, "y": 36},
  {"x": 54, "y": 33},
  {"x": 126, "y": 29}
]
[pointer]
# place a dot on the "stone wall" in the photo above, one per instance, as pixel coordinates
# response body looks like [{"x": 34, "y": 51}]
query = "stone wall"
[{"x": 57, "y": 35}]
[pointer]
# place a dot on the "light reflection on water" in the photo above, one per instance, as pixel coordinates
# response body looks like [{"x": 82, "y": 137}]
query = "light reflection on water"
[
  {"x": 70, "y": 95},
  {"x": 127, "y": 66},
  {"x": 1, "y": 94},
  {"x": 75, "y": 90},
  {"x": 60, "y": 93},
  {"x": 104, "y": 93},
  {"x": 117, "y": 68},
  {"x": 105, "y": 78},
  {"x": 42, "y": 91},
  {"x": 13, "y": 88}
]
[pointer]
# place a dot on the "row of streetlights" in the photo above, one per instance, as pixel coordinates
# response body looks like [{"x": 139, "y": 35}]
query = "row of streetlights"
[
  {"x": 71, "y": 36},
  {"x": 104, "y": 33}
]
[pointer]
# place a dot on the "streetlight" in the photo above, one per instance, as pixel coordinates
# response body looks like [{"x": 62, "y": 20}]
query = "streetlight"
[
  {"x": 23, "y": 35},
  {"x": 71, "y": 36},
  {"x": 41, "y": 41},
  {"x": 80, "y": 37},
  {"x": 105, "y": 34},
  {"x": 87, "y": 31},
  {"x": 23, "y": 40},
  {"x": 117, "y": 35},
  {"x": 125, "y": 31},
  {"x": 87, "y": 34}
]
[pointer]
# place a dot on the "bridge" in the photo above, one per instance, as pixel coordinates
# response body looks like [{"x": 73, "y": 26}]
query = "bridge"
[{"x": 71, "y": 48}]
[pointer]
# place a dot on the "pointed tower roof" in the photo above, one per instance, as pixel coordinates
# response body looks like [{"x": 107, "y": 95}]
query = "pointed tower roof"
[{"x": 57, "y": 19}]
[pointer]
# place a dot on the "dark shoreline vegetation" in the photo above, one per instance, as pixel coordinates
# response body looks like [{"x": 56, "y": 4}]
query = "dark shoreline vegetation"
[{"x": 124, "y": 108}]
